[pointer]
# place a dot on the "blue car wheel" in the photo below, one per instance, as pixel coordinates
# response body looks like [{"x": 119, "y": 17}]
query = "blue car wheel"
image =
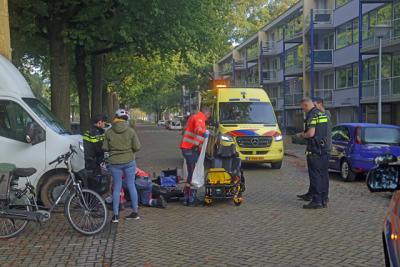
[{"x": 346, "y": 172}]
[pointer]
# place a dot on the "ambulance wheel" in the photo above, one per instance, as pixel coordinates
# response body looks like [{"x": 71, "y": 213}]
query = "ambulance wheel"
[
  {"x": 208, "y": 201},
  {"x": 276, "y": 165},
  {"x": 237, "y": 201}
]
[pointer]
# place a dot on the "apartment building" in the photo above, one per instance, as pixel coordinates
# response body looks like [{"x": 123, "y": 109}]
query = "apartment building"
[{"x": 314, "y": 49}]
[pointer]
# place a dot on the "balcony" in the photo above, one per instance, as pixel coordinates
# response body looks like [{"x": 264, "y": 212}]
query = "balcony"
[
  {"x": 325, "y": 94},
  {"x": 390, "y": 42},
  {"x": 390, "y": 90},
  {"x": 271, "y": 48},
  {"x": 294, "y": 69},
  {"x": 323, "y": 58},
  {"x": 226, "y": 69},
  {"x": 277, "y": 102},
  {"x": 323, "y": 20},
  {"x": 293, "y": 99},
  {"x": 294, "y": 36},
  {"x": 253, "y": 54},
  {"x": 271, "y": 76},
  {"x": 240, "y": 64}
]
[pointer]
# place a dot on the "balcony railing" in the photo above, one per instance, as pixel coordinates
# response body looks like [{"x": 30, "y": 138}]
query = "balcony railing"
[
  {"x": 226, "y": 68},
  {"x": 323, "y": 16},
  {"x": 240, "y": 64},
  {"x": 390, "y": 88},
  {"x": 253, "y": 53},
  {"x": 323, "y": 56},
  {"x": 269, "y": 75},
  {"x": 295, "y": 68},
  {"x": 269, "y": 47},
  {"x": 293, "y": 34},
  {"x": 325, "y": 94},
  {"x": 293, "y": 99},
  {"x": 370, "y": 40}
]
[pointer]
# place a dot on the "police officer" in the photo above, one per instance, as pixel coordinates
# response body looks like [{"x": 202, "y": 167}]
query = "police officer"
[
  {"x": 93, "y": 142},
  {"x": 316, "y": 133}
]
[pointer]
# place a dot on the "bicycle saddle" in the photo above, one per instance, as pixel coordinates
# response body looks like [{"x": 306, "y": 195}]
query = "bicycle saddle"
[{"x": 24, "y": 172}]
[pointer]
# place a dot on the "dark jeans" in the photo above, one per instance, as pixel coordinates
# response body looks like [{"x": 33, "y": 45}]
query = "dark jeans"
[
  {"x": 191, "y": 156},
  {"x": 319, "y": 177}
]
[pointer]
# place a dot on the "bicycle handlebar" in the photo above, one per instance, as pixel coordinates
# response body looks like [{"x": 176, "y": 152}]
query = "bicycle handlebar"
[{"x": 64, "y": 157}]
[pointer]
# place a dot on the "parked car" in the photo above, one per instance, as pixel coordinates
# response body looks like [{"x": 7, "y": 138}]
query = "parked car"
[
  {"x": 167, "y": 124},
  {"x": 356, "y": 145},
  {"x": 175, "y": 125},
  {"x": 161, "y": 123},
  {"x": 385, "y": 177}
]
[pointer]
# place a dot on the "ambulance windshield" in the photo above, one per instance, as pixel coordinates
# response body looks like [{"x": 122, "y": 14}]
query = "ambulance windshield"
[{"x": 247, "y": 113}]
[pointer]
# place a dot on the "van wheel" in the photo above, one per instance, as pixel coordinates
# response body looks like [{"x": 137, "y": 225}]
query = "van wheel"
[
  {"x": 346, "y": 173},
  {"x": 276, "y": 165},
  {"x": 52, "y": 188}
]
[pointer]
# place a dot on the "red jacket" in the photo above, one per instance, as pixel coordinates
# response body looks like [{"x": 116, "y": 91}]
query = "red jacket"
[{"x": 194, "y": 131}]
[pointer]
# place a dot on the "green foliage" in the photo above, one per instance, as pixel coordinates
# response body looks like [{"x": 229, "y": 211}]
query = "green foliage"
[{"x": 248, "y": 16}]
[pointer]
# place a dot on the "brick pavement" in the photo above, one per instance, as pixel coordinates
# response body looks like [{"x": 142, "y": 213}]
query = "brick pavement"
[
  {"x": 55, "y": 243},
  {"x": 269, "y": 229}
]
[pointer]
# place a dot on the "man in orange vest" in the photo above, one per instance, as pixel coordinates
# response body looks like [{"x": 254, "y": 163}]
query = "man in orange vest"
[{"x": 193, "y": 137}]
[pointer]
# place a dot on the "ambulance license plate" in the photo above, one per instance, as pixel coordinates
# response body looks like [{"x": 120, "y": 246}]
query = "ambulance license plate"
[{"x": 255, "y": 158}]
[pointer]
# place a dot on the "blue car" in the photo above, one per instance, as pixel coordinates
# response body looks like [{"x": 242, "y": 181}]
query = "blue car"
[{"x": 356, "y": 145}]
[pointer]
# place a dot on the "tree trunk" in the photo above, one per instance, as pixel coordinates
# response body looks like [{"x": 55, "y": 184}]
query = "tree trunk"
[
  {"x": 105, "y": 101},
  {"x": 80, "y": 72},
  {"x": 97, "y": 84},
  {"x": 59, "y": 71}
]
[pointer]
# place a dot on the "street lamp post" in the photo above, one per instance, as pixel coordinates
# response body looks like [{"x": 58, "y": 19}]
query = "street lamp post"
[{"x": 380, "y": 32}]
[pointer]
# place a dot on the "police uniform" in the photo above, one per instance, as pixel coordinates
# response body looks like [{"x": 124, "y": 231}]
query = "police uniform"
[
  {"x": 92, "y": 143},
  {"x": 317, "y": 155}
]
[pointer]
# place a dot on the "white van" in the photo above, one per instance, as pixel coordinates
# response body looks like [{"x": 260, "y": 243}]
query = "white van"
[{"x": 30, "y": 135}]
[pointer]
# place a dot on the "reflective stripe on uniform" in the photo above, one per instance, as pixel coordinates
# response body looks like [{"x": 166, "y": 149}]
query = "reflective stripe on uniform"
[
  {"x": 93, "y": 139},
  {"x": 201, "y": 138},
  {"x": 192, "y": 141}
]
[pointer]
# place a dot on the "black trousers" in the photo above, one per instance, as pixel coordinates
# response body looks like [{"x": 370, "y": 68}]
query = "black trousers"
[{"x": 319, "y": 177}]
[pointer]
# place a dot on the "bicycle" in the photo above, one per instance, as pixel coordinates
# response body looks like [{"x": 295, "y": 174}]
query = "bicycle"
[{"x": 84, "y": 209}]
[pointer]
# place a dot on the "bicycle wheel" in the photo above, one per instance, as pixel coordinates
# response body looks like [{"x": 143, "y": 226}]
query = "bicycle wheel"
[
  {"x": 12, "y": 227},
  {"x": 86, "y": 212}
]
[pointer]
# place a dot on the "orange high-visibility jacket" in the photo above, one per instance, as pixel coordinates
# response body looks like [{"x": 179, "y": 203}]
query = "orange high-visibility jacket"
[{"x": 194, "y": 131}]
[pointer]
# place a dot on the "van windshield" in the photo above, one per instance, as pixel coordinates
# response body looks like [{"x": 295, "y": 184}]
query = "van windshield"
[
  {"x": 381, "y": 135},
  {"x": 45, "y": 114},
  {"x": 246, "y": 113}
]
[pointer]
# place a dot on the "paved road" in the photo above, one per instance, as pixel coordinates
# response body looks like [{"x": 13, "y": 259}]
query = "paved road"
[{"x": 269, "y": 229}]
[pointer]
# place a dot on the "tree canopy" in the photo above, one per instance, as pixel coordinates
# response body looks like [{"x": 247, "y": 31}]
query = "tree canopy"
[{"x": 144, "y": 50}]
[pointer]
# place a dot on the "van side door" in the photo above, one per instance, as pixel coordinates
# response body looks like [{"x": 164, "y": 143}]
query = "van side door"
[{"x": 15, "y": 149}]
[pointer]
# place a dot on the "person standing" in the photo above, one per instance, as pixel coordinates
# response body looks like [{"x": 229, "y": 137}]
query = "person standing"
[
  {"x": 122, "y": 142},
  {"x": 92, "y": 144},
  {"x": 315, "y": 132},
  {"x": 193, "y": 137},
  {"x": 319, "y": 104}
]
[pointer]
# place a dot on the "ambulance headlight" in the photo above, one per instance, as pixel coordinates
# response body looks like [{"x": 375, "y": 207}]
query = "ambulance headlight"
[
  {"x": 278, "y": 138},
  {"x": 226, "y": 138},
  {"x": 81, "y": 146}
]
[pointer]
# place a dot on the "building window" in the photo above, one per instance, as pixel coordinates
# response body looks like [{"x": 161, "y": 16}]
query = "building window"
[
  {"x": 347, "y": 34},
  {"x": 344, "y": 35},
  {"x": 328, "y": 41},
  {"x": 344, "y": 77},
  {"x": 355, "y": 74},
  {"x": 340, "y": 3},
  {"x": 379, "y": 16}
]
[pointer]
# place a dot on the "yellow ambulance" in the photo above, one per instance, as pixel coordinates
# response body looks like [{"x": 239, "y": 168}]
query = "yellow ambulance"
[{"x": 244, "y": 116}]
